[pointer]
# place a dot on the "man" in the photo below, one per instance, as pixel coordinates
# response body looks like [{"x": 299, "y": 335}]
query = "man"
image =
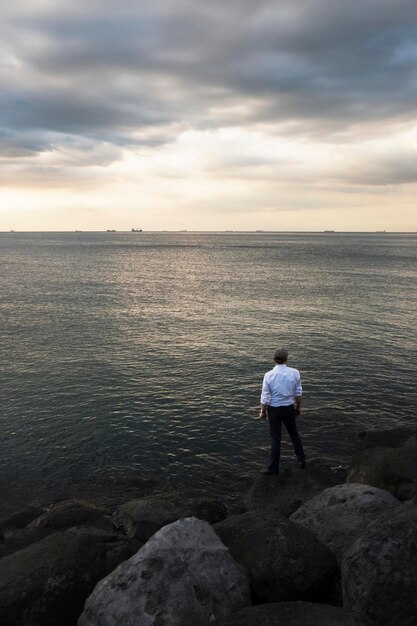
[{"x": 281, "y": 403}]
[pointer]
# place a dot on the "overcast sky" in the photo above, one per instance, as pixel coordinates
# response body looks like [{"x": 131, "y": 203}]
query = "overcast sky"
[{"x": 214, "y": 114}]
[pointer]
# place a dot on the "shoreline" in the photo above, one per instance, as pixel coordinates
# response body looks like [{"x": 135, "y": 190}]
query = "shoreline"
[
  {"x": 113, "y": 483},
  {"x": 74, "y": 545}
]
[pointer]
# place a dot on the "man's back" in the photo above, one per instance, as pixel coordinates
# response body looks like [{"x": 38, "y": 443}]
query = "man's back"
[{"x": 281, "y": 386}]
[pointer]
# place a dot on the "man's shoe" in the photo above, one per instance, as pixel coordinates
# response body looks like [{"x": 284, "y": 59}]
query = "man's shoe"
[
  {"x": 268, "y": 472},
  {"x": 302, "y": 465}
]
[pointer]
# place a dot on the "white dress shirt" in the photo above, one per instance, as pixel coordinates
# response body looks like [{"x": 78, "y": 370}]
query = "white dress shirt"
[{"x": 281, "y": 386}]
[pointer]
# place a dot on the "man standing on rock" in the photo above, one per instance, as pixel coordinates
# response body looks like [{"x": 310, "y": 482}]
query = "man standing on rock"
[{"x": 281, "y": 403}]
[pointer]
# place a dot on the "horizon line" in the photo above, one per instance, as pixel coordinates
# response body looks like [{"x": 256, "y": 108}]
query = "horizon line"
[{"x": 224, "y": 231}]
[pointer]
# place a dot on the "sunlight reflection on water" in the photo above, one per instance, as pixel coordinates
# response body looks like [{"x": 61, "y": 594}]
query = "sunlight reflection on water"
[{"x": 148, "y": 352}]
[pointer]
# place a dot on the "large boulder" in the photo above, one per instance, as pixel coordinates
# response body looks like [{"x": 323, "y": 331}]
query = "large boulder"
[
  {"x": 288, "y": 491},
  {"x": 68, "y": 513},
  {"x": 394, "y": 470},
  {"x": 46, "y": 583},
  {"x": 388, "y": 438},
  {"x": 21, "y": 518},
  {"x": 379, "y": 570},
  {"x": 290, "y": 614},
  {"x": 338, "y": 514},
  {"x": 183, "y": 576},
  {"x": 141, "y": 518},
  {"x": 26, "y": 527},
  {"x": 285, "y": 561}
]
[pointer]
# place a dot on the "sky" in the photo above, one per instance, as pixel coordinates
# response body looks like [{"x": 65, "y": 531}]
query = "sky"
[{"x": 208, "y": 115}]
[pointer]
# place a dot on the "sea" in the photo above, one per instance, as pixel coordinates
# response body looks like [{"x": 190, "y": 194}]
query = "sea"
[{"x": 143, "y": 354}]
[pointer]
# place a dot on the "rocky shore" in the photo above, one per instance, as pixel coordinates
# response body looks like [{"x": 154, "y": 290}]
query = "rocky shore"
[{"x": 328, "y": 546}]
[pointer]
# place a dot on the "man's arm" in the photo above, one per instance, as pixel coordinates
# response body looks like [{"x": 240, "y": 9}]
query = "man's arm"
[
  {"x": 298, "y": 393},
  {"x": 262, "y": 411},
  {"x": 265, "y": 398}
]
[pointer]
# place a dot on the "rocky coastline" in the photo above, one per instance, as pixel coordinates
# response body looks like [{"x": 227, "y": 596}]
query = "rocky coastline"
[{"x": 331, "y": 546}]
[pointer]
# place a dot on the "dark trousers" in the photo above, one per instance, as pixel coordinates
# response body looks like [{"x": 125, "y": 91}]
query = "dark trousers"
[{"x": 278, "y": 415}]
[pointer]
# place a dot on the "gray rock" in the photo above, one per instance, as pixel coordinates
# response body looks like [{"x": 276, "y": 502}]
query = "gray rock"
[
  {"x": 18, "y": 539},
  {"x": 411, "y": 441},
  {"x": 27, "y": 527},
  {"x": 183, "y": 576},
  {"x": 339, "y": 513},
  {"x": 291, "y": 614},
  {"x": 379, "y": 570},
  {"x": 69, "y": 513},
  {"x": 288, "y": 491},
  {"x": 47, "y": 583},
  {"x": 394, "y": 470},
  {"x": 389, "y": 438},
  {"x": 285, "y": 561},
  {"x": 143, "y": 517},
  {"x": 20, "y": 519}
]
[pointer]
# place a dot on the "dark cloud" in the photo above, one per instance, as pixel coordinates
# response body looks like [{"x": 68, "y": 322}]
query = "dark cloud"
[{"x": 109, "y": 69}]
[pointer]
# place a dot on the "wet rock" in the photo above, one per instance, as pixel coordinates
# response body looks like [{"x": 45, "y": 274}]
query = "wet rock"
[
  {"x": 288, "y": 491},
  {"x": 18, "y": 539},
  {"x": 339, "y": 513},
  {"x": 108, "y": 487},
  {"x": 290, "y": 614},
  {"x": 183, "y": 576},
  {"x": 394, "y": 470},
  {"x": 69, "y": 513},
  {"x": 389, "y": 438},
  {"x": 20, "y": 519},
  {"x": 379, "y": 570},
  {"x": 285, "y": 561},
  {"x": 42, "y": 521},
  {"x": 47, "y": 583},
  {"x": 141, "y": 518}
]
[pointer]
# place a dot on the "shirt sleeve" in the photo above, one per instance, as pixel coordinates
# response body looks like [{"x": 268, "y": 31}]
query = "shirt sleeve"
[
  {"x": 298, "y": 388},
  {"x": 266, "y": 391}
]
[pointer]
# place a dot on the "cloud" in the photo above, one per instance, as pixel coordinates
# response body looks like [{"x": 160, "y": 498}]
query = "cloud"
[{"x": 83, "y": 84}]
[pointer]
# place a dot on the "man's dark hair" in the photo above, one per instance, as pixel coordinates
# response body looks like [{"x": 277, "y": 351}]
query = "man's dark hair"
[{"x": 280, "y": 355}]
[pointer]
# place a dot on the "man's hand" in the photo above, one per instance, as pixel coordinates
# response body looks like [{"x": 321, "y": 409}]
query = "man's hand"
[
  {"x": 298, "y": 411},
  {"x": 262, "y": 413}
]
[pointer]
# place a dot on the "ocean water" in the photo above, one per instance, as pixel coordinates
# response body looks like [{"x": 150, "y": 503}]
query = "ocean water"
[{"x": 145, "y": 352}]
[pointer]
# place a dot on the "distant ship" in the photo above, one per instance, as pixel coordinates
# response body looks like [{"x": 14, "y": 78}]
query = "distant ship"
[
  {"x": 111, "y": 230},
  {"x": 329, "y": 231},
  {"x": 135, "y": 230}
]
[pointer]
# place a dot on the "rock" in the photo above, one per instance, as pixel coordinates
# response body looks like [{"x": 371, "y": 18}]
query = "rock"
[
  {"x": 141, "y": 518},
  {"x": 69, "y": 513},
  {"x": 288, "y": 491},
  {"x": 394, "y": 470},
  {"x": 17, "y": 539},
  {"x": 183, "y": 576},
  {"x": 290, "y": 614},
  {"x": 411, "y": 441},
  {"x": 390, "y": 438},
  {"x": 47, "y": 583},
  {"x": 109, "y": 487},
  {"x": 20, "y": 519},
  {"x": 379, "y": 570},
  {"x": 285, "y": 561},
  {"x": 50, "y": 518},
  {"x": 339, "y": 513}
]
